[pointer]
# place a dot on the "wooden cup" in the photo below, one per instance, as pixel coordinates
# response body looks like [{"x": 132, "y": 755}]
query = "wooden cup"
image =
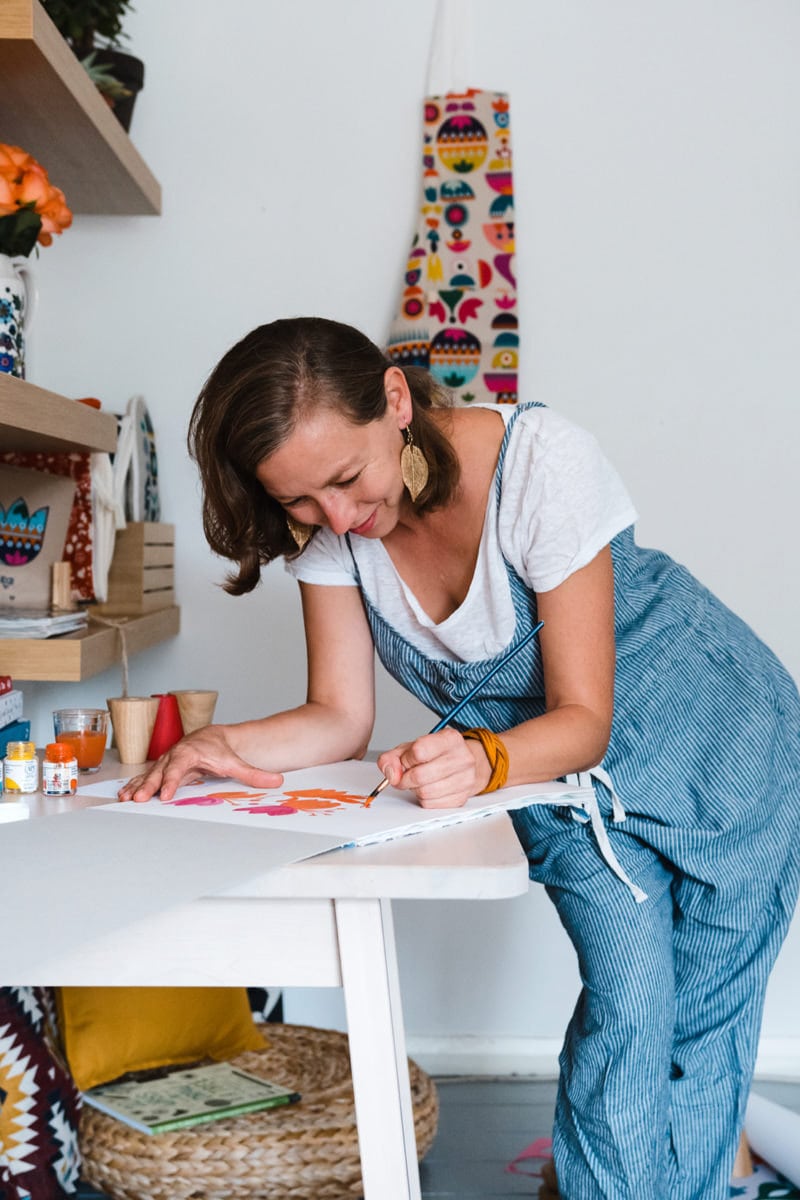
[
  {"x": 132, "y": 719},
  {"x": 196, "y": 708}
]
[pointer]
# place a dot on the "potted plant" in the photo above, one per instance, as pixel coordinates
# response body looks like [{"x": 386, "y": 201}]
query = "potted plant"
[{"x": 93, "y": 30}]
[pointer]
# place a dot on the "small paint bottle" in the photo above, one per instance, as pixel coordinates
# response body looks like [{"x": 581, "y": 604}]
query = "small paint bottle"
[
  {"x": 21, "y": 769},
  {"x": 59, "y": 770}
]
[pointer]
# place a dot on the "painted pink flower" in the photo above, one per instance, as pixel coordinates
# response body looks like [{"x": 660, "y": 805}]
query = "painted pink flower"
[{"x": 199, "y": 801}]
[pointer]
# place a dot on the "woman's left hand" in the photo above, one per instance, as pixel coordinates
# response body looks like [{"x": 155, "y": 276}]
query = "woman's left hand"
[{"x": 442, "y": 769}]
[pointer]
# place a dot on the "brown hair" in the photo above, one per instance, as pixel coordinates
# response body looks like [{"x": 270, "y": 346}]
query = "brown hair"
[{"x": 250, "y": 405}]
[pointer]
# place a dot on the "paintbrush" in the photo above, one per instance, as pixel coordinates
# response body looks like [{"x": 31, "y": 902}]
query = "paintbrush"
[{"x": 456, "y": 709}]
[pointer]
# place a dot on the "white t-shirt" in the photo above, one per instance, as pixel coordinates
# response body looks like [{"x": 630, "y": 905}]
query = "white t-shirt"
[{"x": 561, "y": 502}]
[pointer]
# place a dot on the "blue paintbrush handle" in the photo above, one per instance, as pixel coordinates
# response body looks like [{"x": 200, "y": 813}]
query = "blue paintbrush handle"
[{"x": 448, "y": 717}]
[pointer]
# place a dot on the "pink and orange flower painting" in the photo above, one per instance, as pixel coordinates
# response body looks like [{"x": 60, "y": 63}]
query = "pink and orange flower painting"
[
  {"x": 333, "y": 800},
  {"x": 308, "y": 800}
]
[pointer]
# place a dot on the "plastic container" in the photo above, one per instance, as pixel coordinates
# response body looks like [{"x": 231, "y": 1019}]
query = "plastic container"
[
  {"x": 21, "y": 769},
  {"x": 59, "y": 770}
]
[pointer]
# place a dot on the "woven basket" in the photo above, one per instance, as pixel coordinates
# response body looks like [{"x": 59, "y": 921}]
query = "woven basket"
[{"x": 303, "y": 1151}]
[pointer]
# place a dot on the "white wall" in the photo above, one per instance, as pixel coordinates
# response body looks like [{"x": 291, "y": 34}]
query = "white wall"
[{"x": 657, "y": 151}]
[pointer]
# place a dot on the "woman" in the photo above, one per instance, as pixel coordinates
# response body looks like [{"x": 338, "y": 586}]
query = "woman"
[{"x": 438, "y": 536}]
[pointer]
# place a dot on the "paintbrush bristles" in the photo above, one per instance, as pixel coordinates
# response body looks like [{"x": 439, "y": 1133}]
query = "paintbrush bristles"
[{"x": 377, "y": 791}]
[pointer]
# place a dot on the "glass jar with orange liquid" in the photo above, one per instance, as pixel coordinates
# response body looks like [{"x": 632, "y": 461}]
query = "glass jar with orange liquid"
[{"x": 86, "y": 730}]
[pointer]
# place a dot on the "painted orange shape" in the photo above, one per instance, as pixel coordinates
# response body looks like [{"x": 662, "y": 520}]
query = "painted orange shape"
[{"x": 314, "y": 799}]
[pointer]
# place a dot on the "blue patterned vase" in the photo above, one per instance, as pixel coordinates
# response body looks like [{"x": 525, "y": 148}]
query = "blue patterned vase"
[{"x": 16, "y": 304}]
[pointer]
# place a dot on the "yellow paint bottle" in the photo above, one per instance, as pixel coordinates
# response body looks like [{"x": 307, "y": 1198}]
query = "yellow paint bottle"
[{"x": 21, "y": 769}]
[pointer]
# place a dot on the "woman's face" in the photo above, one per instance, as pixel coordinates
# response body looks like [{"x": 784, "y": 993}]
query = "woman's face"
[{"x": 344, "y": 476}]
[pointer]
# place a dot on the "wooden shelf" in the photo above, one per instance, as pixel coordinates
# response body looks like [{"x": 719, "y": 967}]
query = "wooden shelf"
[
  {"x": 50, "y": 107},
  {"x": 76, "y": 656},
  {"x": 31, "y": 418}
]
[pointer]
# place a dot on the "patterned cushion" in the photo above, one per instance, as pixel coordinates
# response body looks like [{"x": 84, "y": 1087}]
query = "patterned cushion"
[{"x": 39, "y": 1103}]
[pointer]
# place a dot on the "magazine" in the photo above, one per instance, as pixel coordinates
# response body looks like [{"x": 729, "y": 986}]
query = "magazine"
[{"x": 187, "y": 1096}]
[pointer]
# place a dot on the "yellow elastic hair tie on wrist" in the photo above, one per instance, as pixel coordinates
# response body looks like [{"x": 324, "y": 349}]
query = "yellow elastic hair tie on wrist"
[{"x": 496, "y": 753}]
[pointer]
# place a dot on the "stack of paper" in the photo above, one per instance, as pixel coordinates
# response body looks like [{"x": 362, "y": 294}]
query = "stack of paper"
[{"x": 40, "y": 622}]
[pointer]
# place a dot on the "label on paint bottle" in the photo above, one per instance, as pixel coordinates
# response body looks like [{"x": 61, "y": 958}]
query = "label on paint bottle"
[{"x": 59, "y": 770}]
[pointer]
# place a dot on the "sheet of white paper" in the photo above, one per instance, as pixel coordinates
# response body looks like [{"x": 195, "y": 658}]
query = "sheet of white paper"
[
  {"x": 76, "y": 876},
  {"x": 13, "y": 810},
  {"x": 774, "y": 1134},
  {"x": 330, "y": 800}
]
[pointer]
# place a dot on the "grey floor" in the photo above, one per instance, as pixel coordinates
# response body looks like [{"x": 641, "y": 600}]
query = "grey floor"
[{"x": 485, "y": 1123}]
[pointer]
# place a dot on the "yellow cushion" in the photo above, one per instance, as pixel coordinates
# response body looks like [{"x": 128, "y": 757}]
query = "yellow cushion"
[{"x": 107, "y": 1031}]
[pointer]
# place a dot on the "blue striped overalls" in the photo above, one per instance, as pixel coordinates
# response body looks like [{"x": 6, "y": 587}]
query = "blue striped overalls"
[{"x": 705, "y": 757}]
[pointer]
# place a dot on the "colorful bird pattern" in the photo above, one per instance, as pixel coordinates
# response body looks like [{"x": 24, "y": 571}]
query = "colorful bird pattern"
[
  {"x": 21, "y": 533},
  {"x": 457, "y": 315}
]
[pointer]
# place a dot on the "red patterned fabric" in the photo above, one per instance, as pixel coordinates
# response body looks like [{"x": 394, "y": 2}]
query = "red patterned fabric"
[
  {"x": 39, "y": 1103},
  {"x": 78, "y": 546}
]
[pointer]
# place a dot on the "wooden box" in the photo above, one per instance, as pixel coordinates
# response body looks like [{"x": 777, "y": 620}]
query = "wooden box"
[{"x": 142, "y": 574}]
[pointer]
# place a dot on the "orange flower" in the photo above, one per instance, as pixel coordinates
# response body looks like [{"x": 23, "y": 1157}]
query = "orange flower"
[
  {"x": 54, "y": 213},
  {"x": 14, "y": 158},
  {"x": 31, "y": 208},
  {"x": 20, "y": 156},
  {"x": 8, "y": 197},
  {"x": 33, "y": 187}
]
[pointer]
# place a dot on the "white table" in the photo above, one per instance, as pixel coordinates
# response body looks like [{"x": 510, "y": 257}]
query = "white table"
[{"x": 324, "y": 922}]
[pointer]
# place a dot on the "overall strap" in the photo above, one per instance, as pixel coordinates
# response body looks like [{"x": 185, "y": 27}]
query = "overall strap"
[
  {"x": 518, "y": 409},
  {"x": 501, "y": 458},
  {"x": 355, "y": 564}
]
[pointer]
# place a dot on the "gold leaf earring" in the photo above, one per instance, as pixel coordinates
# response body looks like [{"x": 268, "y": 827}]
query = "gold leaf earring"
[
  {"x": 413, "y": 466},
  {"x": 300, "y": 533}
]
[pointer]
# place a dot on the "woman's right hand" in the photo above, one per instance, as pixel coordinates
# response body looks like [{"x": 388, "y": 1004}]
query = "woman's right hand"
[{"x": 205, "y": 752}]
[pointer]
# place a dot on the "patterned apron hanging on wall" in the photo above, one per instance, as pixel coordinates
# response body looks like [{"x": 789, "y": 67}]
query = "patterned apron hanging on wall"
[{"x": 457, "y": 314}]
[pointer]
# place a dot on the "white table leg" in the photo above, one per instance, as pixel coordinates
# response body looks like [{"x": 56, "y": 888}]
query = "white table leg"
[{"x": 377, "y": 1050}]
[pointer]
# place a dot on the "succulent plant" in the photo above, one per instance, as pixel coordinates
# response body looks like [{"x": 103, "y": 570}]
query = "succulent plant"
[{"x": 103, "y": 80}]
